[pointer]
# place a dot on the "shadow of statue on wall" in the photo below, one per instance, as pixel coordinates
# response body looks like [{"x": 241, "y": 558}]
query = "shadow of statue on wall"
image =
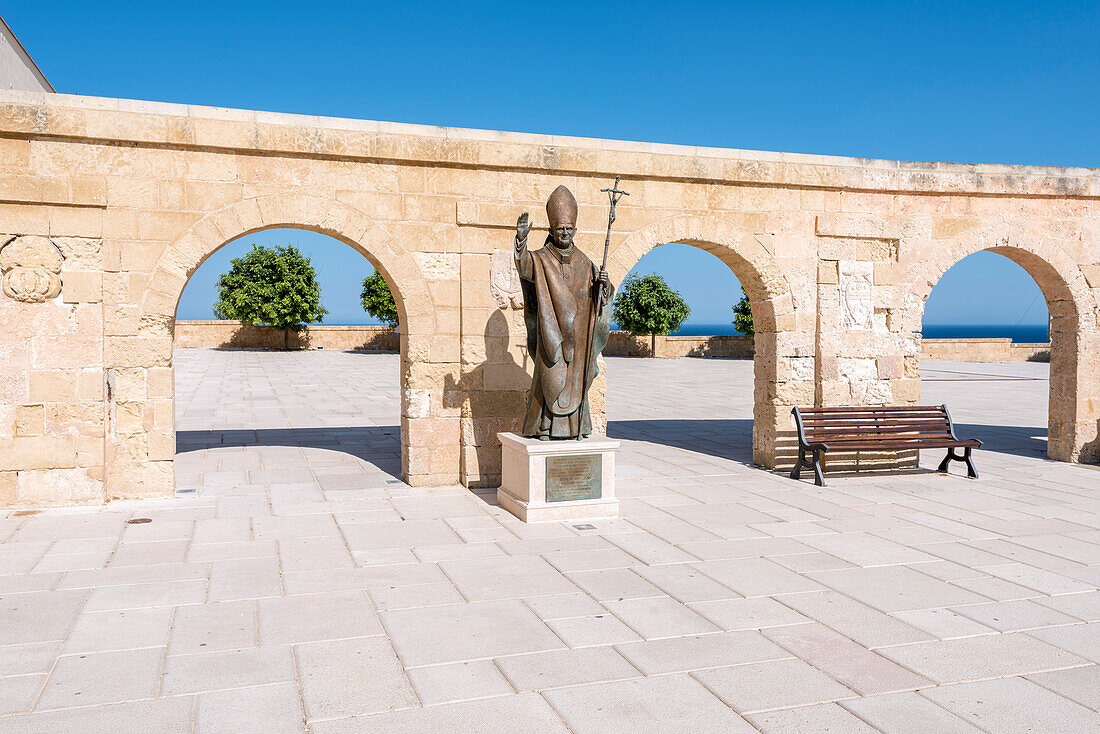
[
  {"x": 1090, "y": 452},
  {"x": 493, "y": 398}
]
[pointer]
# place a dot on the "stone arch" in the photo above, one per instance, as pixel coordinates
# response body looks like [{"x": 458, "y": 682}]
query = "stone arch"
[
  {"x": 1034, "y": 246},
  {"x": 393, "y": 260},
  {"x": 773, "y": 307},
  {"x": 764, "y": 283}
]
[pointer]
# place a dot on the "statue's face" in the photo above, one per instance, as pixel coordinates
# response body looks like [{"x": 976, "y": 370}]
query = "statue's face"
[{"x": 563, "y": 234}]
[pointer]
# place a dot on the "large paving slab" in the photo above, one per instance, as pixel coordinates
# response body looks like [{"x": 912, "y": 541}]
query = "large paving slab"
[{"x": 297, "y": 584}]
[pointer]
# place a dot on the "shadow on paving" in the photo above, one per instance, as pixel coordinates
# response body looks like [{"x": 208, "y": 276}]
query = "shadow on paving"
[
  {"x": 377, "y": 445},
  {"x": 726, "y": 439},
  {"x": 732, "y": 439},
  {"x": 1018, "y": 440},
  {"x": 729, "y": 439}
]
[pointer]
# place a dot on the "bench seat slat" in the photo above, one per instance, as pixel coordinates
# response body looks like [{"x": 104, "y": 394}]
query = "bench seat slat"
[
  {"x": 892, "y": 432},
  {"x": 900, "y": 436},
  {"x": 886, "y": 437}
]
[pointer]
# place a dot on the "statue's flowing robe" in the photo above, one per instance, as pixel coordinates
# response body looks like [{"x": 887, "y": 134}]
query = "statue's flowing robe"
[{"x": 559, "y": 293}]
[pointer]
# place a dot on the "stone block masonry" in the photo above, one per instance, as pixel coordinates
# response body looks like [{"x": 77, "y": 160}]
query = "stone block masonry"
[{"x": 108, "y": 206}]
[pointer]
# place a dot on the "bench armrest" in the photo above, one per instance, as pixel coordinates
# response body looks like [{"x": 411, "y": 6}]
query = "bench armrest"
[
  {"x": 802, "y": 433},
  {"x": 951, "y": 426}
]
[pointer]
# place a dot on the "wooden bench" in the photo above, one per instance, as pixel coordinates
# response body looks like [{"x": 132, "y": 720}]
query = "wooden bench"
[{"x": 877, "y": 428}]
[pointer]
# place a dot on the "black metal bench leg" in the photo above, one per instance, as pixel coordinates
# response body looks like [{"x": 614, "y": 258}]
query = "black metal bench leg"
[
  {"x": 947, "y": 460},
  {"x": 796, "y": 472},
  {"x": 970, "y": 471},
  {"x": 819, "y": 477}
]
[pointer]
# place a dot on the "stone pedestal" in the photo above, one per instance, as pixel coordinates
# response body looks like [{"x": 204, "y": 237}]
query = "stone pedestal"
[{"x": 548, "y": 481}]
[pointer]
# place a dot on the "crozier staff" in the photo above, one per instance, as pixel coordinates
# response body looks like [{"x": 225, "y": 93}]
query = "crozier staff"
[{"x": 567, "y": 310}]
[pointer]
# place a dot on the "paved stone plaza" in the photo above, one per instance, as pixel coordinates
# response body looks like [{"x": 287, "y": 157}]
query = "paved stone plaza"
[{"x": 296, "y": 582}]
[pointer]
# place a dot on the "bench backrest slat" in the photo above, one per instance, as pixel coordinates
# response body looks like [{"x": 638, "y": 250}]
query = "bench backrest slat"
[
  {"x": 880, "y": 431},
  {"x": 857, "y": 408},
  {"x": 869, "y": 424}
]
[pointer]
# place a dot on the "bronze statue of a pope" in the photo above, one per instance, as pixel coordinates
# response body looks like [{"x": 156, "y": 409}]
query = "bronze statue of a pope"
[{"x": 567, "y": 310}]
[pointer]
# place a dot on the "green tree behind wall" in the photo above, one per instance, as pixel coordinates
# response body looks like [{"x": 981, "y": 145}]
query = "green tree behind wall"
[
  {"x": 377, "y": 299},
  {"x": 647, "y": 305},
  {"x": 271, "y": 286},
  {"x": 742, "y": 316}
]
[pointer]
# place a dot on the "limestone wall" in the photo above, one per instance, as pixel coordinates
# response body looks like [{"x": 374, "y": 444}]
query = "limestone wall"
[
  {"x": 983, "y": 350},
  {"x": 232, "y": 335},
  {"x": 622, "y": 344},
  {"x": 837, "y": 256}
]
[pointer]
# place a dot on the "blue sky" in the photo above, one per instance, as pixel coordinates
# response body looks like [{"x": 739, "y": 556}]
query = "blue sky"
[{"x": 1005, "y": 82}]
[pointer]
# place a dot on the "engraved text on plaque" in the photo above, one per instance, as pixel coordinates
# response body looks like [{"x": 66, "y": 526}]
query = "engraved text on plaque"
[{"x": 574, "y": 477}]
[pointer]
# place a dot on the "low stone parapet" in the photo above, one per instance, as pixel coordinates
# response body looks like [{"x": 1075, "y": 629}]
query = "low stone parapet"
[
  {"x": 622, "y": 344},
  {"x": 983, "y": 350},
  {"x": 232, "y": 335}
]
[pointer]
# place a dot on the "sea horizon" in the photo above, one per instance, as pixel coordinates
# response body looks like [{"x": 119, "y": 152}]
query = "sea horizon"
[{"x": 1018, "y": 333}]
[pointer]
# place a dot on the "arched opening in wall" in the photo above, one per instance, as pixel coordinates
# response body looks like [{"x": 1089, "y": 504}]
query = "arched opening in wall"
[
  {"x": 684, "y": 403},
  {"x": 313, "y": 411},
  {"x": 998, "y": 348}
]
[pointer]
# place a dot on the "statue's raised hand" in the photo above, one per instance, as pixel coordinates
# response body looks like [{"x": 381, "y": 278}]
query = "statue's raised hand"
[{"x": 523, "y": 227}]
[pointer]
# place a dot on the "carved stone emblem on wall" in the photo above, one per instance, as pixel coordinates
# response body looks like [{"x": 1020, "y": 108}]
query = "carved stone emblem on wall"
[
  {"x": 856, "y": 301},
  {"x": 504, "y": 282},
  {"x": 32, "y": 269}
]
